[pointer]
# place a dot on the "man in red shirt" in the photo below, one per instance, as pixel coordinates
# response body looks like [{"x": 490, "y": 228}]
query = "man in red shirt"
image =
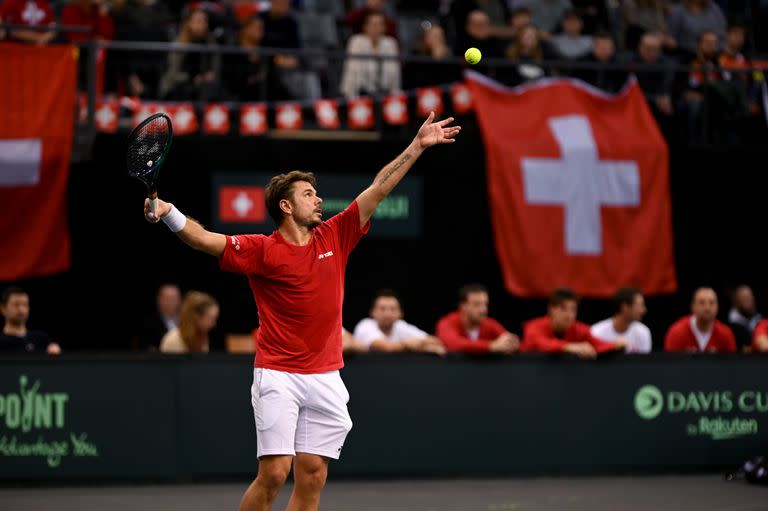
[
  {"x": 760, "y": 337},
  {"x": 470, "y": 330},
  {"x": 559, "y": 332},
  {"x": 297, "y": 278},
  {"x": 701, "y": 331},
  {"x": 33, "y": 13}
]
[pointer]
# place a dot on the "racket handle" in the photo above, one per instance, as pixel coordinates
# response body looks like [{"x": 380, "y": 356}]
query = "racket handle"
[{"x": 153, "y": 203}]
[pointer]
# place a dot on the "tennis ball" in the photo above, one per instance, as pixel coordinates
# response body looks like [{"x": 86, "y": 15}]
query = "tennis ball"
[{"x": 473, "y": 55}]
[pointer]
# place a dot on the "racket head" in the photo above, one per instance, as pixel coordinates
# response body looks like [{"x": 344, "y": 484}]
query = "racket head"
[{"x": 147, "y": 147}]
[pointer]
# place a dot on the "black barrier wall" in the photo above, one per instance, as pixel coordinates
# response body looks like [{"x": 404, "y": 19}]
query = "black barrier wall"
[{"x": 171, "y": 418}]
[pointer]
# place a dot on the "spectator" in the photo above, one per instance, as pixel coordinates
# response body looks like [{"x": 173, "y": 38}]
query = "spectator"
[
  {"x": 689, "y": 19},
  {"x": 191, "y": 75},
  {"x": 199, "y": 313},
  {"x": 559, "y": 332},
  {"x": 386, "y": 330},
  {"x": 571, "y": 43},
  {"x": 641, "y": 17},
  {"x": 470, "y": 330},
  {"x": 165, "y": 318},
  {"x": 478, "y": 34},
  {"x": 431, "y": 44},
  {"x": 245, "y": 75},
  {"x": 743, "y": 316},
  {"x": 351, "y": 344},
  {"x": 760, "y": 337},
  {"x": 32, "y": 13},
  {"x": 625, "y": 324},
  {"x": 546, "y": 14},
  {"x": 93, "y": 14},
  {"x": 734, "y": 64},
  {"x": 594, "y": 15},
  {"x": 603, "y": 72},
  {"x": 528, "y": 52},
  {"x": 496, "y": 11},
  {"x": 656, "y": 84},
  {"x": 368, "y": 76},
  {"x": 521, "y": 17},
  {"x": 701, "y": 331},
  {"x": 355, "y": 18},
  {"x": 705, "y": 70},
  {"x": 15, "y": 337}
]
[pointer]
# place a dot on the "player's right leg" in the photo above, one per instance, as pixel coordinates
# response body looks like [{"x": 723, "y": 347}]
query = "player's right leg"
[{"x": 273, "y": 471}]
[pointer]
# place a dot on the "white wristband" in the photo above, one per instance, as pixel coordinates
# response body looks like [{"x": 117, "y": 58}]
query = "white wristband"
[{"x": 175, "y": 219}]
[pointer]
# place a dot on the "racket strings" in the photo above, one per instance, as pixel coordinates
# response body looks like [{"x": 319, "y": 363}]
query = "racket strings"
[{"x": 147, "y": 146}]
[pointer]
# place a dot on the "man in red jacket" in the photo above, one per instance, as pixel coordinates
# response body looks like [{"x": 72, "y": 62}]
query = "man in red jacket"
[
  {"x": 559, "y": 332},
  {"x": 701, "y": 331},
  {"x": 470, "y": 330}
]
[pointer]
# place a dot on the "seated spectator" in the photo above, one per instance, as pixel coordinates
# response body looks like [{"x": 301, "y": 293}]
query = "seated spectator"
[
  {"x": 546, "y": 14},
  {"x": 700, "y": 331},
  {"x": 478, "y": 34},
  {"x": 164, "y": 319},
  {"x": 470, "y": 330},
  {"x": 496, "y": 11},
  {"x": 245, "y": 75},
  {"x": 594, "y": 15},
  {"x": 641, "y": 17},
  {"x": 191, "y": 75},
  {"x": 625, "y": 323},
  {"x": 351, "y": 344},
  {"x": 222, "y": 23},
  {"x": 760, "y": 337},
  {"x": 93, "y": 14},
  {"x": 431, "y": 44},
  {"x": 355, "y": 18},
  {"x": 32, "y": 13},
  {"x": 386, "y": 330},
  {"x": 521, "y": 17},
  {"x": 368, "y": 76},
  {"x": 571, "y": 43},
  {"x": 603, "y": 54},
  {"x": 15, "y": 337},
  {"x": 528, "y": 52},
  {"x": 688, "y": 20},
  {"x": 199, "y": 313},
  {"x": 559, "y": 332},
  {"x": 734, "y": 64},
  {"x": 656, "y": 84},
  {"x": 743, "y": 316}
]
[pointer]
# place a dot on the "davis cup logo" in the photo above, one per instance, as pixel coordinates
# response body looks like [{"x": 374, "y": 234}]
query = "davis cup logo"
[{"x": 649, "y": 401}]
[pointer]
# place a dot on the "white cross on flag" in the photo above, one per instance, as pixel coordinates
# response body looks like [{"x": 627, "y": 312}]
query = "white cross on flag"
[
  {"x": 216, "y": 119},
  {"x": 288, "y": 116},
  {"x": 183, "y": 118},
  {"x": 360, "y": 113},
  {"x": 578, "y": 185},
  {"x": 394, "y": 109},
  {"x": 461, "y": 98},
  {"x": 106, "y": 116},
  {"x": 327, "y": 113},
  {"x": 253, "y": 119},
  {"x": 429, "y": 99}
]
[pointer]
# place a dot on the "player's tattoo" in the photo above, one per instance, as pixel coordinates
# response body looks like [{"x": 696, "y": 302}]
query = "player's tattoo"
[{"x": 394, "y": 168}]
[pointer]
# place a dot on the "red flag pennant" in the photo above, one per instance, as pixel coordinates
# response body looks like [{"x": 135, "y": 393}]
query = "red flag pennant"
[
  {"x": 395, "y": 109},
  {"x": 429, "y": 99},
  {"x": 360, "y": 113},
  {"x": 461, "y": 98},
  {"x": 106, "y": 116},
  {"x": 183, "y": 118},
  {"x": 327, "y": 113},
  {"x": 253, "y": 119},
  {"x": 288, "y": 116},
  {"x": 242, "y": 204},
  {"x": 216, "y": 119}
]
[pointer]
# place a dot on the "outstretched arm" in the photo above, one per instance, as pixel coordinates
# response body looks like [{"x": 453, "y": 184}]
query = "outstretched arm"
[
  {"x": 193, "y": 234},
  {"x": 430, "y": 133}
]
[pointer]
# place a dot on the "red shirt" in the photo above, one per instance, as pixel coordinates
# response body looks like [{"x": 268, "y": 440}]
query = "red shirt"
[
  {"x": 27, "y": 12},
  {"x": 760, "y": 329},
  {"x": 299, "y": 292},
  {"x": 455, "y": 337},
  {"x": 99, "y": 22},
  {"x": 680, "y": 337},
  {"x": 539, "y": 337}
]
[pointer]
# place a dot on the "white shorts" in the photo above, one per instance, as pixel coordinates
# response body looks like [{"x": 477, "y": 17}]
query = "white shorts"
[{"x": 300, "y": 412}]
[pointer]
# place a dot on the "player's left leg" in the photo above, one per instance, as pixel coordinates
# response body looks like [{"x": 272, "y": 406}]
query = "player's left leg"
[{"x": 309, "y": 474}]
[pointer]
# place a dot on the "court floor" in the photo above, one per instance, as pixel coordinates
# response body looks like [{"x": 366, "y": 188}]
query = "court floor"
[{"x": 657, "y": 493}]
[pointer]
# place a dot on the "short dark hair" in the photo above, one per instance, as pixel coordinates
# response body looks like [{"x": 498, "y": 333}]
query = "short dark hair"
[
  {"x": 603, "y": 34},
  {"x": 385, "y": 293},
  {"x": 571, "y": 13},
  {"x": 9, "y": 291},
  {"x": 468, "y": 289},
  {"x": 279, "y": 188},
  {"x": 521, "y": 10},
  {"x": 625, "y": 296},
  {"x": 562, "y": 295}
]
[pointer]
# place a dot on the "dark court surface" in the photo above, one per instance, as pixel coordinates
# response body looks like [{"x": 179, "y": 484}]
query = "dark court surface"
[{"x": 657, "y": 493}]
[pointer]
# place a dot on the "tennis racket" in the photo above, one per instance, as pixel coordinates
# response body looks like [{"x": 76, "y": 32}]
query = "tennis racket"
[{"x": 148, "y": 146}]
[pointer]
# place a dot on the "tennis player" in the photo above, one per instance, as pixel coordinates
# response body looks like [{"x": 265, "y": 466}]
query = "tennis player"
[{"x": 297, "y": 278}]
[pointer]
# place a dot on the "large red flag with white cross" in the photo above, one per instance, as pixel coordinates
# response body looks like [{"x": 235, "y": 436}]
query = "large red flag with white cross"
[{"x": 578, "y": 188}]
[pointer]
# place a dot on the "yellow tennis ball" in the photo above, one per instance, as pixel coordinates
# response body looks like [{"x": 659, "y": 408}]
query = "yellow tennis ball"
[{"x": 473, "y": 55}]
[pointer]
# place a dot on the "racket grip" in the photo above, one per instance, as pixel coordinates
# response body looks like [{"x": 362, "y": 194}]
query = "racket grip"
[{"x": 153, "y": 205}]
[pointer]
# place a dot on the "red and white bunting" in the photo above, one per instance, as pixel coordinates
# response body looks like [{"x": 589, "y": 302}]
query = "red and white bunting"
[
  {"x": 216, "y": 119},
  {"x": 327, "y": 113},
  {"x": 288, "y": 116},
  {"x": 429, "y": 99},
  {"x": 462, "y": 98},
  {"x": 360, "y": 113},
  {"x": 253, "y": 119},
  {"x": 183, "y": 118},
  {"x": 142, "y": 111},
  {"x": 394, "y": 109},
  {"x": 106, "y": 116}
]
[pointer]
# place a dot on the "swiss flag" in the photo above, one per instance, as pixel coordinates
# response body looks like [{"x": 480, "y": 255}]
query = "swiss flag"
[
  {"x": 394, "y": 109},
  {"x": 106, "y": 116},
  {"x": 327, "y": 113},
  {"x": 216, "y": 119},
  {"x": 183, "y": 118},
  {"x": 360, "y": 113},
  {"x": 288, "y": 116},
  {"x": 461, "y": 98},
  {"x": 36, "y": 111},
  {"x": 142, "y": 111},
  {"x": 242, "y": 204},
  {"x": 253, "y": 119},
  {"x": 429, "y": 99},
  {"x": 573, "y": 204}
]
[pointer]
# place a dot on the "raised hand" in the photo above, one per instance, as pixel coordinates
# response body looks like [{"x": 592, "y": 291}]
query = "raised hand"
[
  {"x": 434, "y": 133},
  {"x": 163, "y": 208}
]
